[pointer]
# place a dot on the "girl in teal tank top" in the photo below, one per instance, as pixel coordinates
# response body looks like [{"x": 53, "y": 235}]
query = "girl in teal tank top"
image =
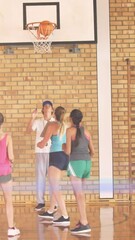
[
  {"x": 56, "y": 142},
  {"x": 58, "y": 161}
]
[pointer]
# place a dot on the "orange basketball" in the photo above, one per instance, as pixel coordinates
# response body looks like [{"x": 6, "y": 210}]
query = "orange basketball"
[{"x": 45, "y": 29}]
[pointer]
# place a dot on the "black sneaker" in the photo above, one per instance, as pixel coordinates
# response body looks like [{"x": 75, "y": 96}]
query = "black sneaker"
[
  {"x": 80, "y": 228},
  {"x": 39, "y": 206},
  {"x": 46, "y": 215},
  {"x": 62, "y": 221}
]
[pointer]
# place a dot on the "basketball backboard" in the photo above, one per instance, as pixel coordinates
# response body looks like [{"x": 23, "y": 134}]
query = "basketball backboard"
[{"x": 75, "y": 19}]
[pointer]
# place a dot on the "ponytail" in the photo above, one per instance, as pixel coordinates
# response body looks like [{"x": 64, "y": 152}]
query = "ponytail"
[
  {"x": 60, "y": 114},
  {"x": 78, "y": 135},
  {"x": 76, "y": 116}
]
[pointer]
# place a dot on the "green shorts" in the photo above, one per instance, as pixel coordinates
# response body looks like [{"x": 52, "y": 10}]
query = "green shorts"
[{"x": 79, "y": 168}]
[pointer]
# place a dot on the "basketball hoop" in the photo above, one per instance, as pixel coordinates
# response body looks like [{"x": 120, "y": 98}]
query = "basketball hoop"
[{"x": 41, "y": 35}]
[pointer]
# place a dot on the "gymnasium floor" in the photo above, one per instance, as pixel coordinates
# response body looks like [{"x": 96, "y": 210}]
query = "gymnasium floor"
[{"x": 108, "y": 222}]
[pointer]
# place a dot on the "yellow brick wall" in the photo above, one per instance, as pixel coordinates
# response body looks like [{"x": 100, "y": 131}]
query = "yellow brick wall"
[
  {"x": 26, "y": 79},
  {"x": 70, "y": 80}
]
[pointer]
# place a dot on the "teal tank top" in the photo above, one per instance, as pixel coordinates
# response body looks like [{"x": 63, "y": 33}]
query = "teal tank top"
[{"x": 56, "y": 142}]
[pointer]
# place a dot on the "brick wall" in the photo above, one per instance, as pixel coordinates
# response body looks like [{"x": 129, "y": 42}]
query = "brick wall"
[
  {"x": 70, "y": 80},
  {"x": 26, "y": 79}
]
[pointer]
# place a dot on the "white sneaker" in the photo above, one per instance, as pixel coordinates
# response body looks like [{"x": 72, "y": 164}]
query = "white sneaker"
[{"x": 13, "y": 232}]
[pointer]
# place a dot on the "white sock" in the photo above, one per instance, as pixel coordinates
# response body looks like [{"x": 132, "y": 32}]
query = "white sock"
[
  {"x": 66, "y": 217},
  {"x": 49, "y": 212}
]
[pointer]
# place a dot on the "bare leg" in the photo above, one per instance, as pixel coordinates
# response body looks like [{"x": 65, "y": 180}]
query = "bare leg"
[
  {"x": 80, "y": 198},
  {"x": 54, "y": 175},
  {"x": 7, "y": 191},
  {"x": 53, "y": 202}
]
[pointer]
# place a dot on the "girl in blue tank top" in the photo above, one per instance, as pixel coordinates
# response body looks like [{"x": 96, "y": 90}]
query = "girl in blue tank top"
[
  {"x": 58, "y": 161},
  {"x": 56, "y": 143}
]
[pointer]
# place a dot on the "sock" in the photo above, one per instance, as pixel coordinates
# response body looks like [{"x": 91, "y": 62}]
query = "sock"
[
  {"x": 66, "y": 217},
  {"x": 49, "y": 212}
]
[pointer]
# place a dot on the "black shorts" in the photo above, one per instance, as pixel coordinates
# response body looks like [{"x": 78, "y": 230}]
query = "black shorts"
[{"x": 59, "y": 160}]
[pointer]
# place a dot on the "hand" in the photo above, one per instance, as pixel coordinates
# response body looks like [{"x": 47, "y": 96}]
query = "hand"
[
  {"x": 91, "y": 154},
  {"x": 34, "y": 113},
  {"x": 40, "y": 144},
  {"x": 11, "y": 163}
]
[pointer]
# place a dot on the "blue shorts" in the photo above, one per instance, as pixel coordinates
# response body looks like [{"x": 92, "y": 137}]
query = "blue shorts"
[{"x": 59, "y": 160}]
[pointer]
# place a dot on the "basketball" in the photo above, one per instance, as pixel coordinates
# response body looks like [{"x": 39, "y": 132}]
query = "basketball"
[{"x": 45, "y": 29}]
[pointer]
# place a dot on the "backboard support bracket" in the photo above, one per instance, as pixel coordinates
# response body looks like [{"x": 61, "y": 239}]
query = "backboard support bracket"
[
  {"x": 74, "y": 49},
  {"x": 8, "y": 51}
]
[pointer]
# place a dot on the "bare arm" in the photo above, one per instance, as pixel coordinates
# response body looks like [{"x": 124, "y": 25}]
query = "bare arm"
[
  {"x": 91, "y": 147},
  {"x": 67, "y": 146},
  {"x": 44, "y": 130},
  {"x": 10, "y": 148},
  {"x": 48, "y": 131},
  {"x": 31, "y": 121}
]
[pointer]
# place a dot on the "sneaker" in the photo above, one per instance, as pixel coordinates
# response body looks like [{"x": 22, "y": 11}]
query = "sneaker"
[
  {"x": 62, "y": 221},
  {"x": 80, "y": 228},
  {"x": 13, "y": 232},
  {"x": 46, "y": 215},
  {"x": 39, "y": 206}
]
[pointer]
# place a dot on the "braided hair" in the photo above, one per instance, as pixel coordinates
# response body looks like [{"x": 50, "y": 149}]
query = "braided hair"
[
  {"x": 59, "y": 114},
  {"x": 77, "y": 116}
]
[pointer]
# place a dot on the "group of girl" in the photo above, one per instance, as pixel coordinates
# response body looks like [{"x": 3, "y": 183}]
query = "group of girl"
[{"x": 71, "y": 150}]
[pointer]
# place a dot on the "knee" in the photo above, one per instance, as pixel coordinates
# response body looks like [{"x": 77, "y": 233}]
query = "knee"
[
  {"x": 54, "y": 187},
  {"x": 8, "y": 202},
  {"x": 79, "y": 194}
]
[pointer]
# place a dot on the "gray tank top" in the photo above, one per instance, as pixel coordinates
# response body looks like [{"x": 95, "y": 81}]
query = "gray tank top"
[{"x": 80, "y": 152}]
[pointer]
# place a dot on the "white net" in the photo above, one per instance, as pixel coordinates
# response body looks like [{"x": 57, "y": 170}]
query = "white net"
[{"x": 42, "y": 46}]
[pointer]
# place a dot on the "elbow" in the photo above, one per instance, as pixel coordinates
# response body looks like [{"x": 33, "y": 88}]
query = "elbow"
[{"x": 11, "y": 158}]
